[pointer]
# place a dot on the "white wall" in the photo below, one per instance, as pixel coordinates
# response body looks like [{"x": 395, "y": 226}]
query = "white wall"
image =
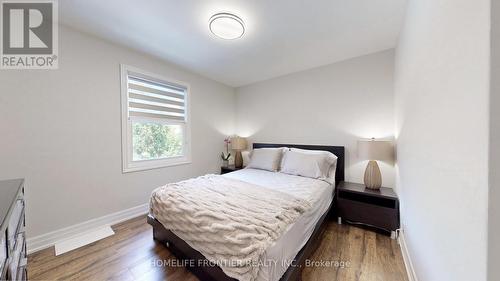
[
  {"x": 334, "y": 105},
  {"x": 442, "y": 93},
  {"x": 60, "y": 130},
  {"x": 494, "y": 194}
]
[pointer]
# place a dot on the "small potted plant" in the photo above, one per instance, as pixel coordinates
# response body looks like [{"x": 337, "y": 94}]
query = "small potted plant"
[{"x": 225, "y": 156}]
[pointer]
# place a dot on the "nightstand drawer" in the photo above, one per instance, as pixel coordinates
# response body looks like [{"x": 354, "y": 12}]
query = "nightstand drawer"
[
  {"x": 364, "y": 198},
  {"x": 367, "y": 213},
  {"x": 228, "y": 169}
]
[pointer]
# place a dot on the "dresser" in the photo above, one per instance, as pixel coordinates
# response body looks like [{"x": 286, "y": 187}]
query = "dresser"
[{"x": 13, "y": 257}]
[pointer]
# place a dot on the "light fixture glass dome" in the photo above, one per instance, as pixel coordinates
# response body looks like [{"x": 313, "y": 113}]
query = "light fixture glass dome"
[{"x": 226, "y": 26}]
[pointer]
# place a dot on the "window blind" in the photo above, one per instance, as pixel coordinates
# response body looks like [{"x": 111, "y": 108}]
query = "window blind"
[{"x": 148, "y": 98}]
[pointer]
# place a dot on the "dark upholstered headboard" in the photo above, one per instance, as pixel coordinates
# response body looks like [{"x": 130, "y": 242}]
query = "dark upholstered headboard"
[{"x": 339, "y": 151}]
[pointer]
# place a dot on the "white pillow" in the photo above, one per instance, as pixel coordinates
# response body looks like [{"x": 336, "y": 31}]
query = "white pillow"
[
  {"x": 316, "y": 164},
  {"x": 266, "y": 158}
]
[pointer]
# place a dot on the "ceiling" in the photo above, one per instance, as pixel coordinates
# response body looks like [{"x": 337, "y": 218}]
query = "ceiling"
[{"x": 282, "y": 36}]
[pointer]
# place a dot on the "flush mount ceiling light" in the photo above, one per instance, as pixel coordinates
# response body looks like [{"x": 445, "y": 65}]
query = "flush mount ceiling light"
[{"x": 226, "y": 26}]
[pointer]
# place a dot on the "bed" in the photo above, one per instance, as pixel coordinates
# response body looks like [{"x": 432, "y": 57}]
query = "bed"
[{"x": 294, "y": 245}]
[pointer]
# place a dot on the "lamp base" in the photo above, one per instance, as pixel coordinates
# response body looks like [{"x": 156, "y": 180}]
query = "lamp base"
[
  {"x": 373, "y": 178},
  {"x": 238, "y": 160}
]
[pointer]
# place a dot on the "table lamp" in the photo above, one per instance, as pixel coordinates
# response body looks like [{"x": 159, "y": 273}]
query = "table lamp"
[
  {"x": 238, "y": 144},
  {"x": 373, "y": 150}
]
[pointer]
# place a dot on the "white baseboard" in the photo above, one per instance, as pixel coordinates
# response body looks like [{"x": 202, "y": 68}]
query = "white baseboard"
[
  {"x": 47, "y": 240},
  {"x": 406, "y": 257}
]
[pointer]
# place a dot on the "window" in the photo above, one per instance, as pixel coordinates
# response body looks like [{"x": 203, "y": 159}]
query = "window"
[{"x": 155, "y": 123}]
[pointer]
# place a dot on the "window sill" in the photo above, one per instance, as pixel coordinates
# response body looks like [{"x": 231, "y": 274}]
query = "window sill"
[{"x": 151, "y": 166}]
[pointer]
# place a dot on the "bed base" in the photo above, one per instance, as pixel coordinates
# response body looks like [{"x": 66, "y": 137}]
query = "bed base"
[{"x": 198, "y": 263}]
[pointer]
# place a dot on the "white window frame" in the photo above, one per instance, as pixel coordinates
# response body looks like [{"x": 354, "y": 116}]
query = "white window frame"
[{"x": 128, "y": 165}]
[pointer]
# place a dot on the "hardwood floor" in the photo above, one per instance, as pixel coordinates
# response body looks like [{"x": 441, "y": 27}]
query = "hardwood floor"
[{"x": 131, "y": 253}]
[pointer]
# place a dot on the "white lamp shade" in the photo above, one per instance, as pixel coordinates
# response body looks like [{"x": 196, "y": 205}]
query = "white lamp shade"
[
  {"x": 381, "y": 150},
  {"x": 238, "y": 143}
]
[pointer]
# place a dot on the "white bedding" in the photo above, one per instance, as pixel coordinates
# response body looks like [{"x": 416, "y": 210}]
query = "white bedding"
[
  {"x": 229, "y": 221},
  {"x": 289, "y": 244}
]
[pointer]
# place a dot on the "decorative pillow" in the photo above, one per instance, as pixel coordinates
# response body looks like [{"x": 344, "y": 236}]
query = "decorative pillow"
[
  {"x": 316, "y": 164},
  {"x": 246, "y": 157},
  {"x": 266, "y": 158},
  {"x": 331, "y": 173}
]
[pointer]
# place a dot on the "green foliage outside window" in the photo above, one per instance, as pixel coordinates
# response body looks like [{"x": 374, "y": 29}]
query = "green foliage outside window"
[{"x": 154, "y": 141}]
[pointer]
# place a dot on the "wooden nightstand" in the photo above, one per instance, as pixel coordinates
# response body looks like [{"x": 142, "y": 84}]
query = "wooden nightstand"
[
  {"x": 228, "y": 169},
  {"x": 374, "y": 208}
]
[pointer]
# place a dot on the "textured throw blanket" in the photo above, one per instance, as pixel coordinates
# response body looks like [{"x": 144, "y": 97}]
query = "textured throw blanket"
[{"x": 230, "y": 222}]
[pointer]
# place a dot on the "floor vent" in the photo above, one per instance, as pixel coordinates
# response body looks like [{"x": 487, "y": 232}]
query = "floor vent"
[{"x": 83, "y": 239}]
